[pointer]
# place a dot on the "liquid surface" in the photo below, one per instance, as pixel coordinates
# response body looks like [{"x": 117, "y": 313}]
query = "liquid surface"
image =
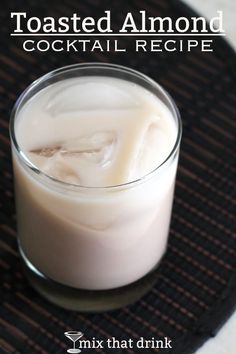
[{"x": 95, "y": 131}]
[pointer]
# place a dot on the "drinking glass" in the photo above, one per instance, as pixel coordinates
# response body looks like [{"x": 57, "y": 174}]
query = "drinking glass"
[
  {"x": 93, "y": 248},
  {"x": 74, "y": 336}
]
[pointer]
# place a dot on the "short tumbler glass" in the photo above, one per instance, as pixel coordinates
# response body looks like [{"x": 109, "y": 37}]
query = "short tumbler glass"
[{"x": 112, "y": 260}]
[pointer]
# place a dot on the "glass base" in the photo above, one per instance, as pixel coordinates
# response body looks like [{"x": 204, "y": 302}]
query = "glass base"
[{"x": 86, "y": 300}]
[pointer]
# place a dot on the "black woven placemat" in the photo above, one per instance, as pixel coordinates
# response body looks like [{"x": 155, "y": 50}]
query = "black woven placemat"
[{"x": 196, "y": 288}]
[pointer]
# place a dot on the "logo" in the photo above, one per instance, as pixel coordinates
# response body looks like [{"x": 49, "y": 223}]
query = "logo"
[
  {"x": 114, "y": 343},
  {"x": 73, "y": 336}
]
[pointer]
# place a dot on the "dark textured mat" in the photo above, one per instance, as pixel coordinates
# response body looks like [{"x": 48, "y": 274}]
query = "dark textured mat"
[{"x": 196, "y": 289}]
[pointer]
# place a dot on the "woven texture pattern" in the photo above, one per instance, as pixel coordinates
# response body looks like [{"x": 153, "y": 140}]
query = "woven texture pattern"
[{"x": 195, "y": 288}]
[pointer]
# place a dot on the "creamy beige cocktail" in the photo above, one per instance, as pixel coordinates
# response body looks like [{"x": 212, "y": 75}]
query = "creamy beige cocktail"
[{"x": 95, "y": 159}]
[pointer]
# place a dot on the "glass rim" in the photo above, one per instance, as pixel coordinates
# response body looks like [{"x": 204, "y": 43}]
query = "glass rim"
[
  {"x": 73, "y": 332},
  {"x": 93, "y": 65}
]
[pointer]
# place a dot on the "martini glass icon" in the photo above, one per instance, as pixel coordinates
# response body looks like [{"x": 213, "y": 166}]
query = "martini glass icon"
[{"x": 74, "y": 336}]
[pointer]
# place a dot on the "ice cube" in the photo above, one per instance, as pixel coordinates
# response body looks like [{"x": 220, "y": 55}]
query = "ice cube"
[
  {"x": 90, "y": 95},
  {"x": 153, "y": 150},
  {"x": 95, "y": 148},
  {"x": 59, "y": 168},
  {"x": 46, "y": 151},
  {"x": 78, "y": 160}
]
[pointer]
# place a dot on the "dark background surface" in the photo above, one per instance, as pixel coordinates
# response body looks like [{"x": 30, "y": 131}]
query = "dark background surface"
[{"x": 195, "y": 289}]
